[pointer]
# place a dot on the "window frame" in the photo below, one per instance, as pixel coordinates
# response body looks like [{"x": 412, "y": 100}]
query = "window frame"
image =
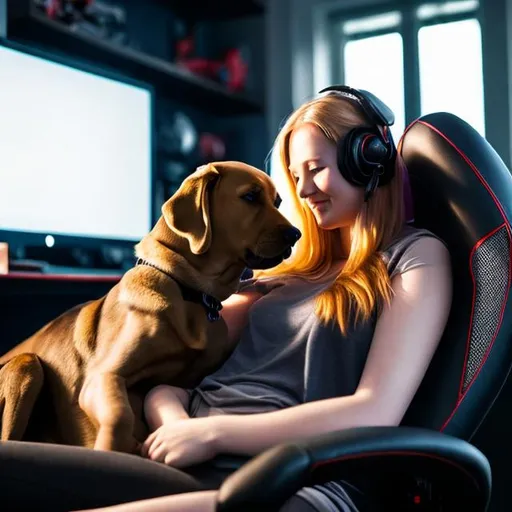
[{"x": 408, "y": 28}]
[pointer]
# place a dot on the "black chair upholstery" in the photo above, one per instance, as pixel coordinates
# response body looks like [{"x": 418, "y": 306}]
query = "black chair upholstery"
[{"x": 462, "y": 191}]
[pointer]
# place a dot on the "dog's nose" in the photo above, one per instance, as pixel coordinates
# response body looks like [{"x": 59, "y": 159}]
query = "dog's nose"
[{"x": 291, "y": 234}]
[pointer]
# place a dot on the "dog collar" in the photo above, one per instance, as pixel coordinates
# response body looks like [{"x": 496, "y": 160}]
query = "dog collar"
[{"x": 210, "y": 303}]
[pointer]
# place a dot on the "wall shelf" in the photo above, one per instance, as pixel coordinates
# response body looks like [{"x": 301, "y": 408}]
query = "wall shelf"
[{"x": 32, "y": 26}]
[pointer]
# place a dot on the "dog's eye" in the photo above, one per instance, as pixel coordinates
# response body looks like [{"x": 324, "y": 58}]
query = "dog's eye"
[
  {"x": 251, "y": 196},
  {"x": 277, "y": 202}
]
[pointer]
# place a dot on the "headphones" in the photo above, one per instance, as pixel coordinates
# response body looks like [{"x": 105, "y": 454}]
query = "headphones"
[{"x": 366, "y": 155}]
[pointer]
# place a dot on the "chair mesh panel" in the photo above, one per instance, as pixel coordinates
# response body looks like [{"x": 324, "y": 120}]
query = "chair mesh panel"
[{"x": 490, "y": 265}]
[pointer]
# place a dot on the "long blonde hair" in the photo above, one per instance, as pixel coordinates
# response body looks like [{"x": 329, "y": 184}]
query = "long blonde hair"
[{"x": 363, "y": 283}]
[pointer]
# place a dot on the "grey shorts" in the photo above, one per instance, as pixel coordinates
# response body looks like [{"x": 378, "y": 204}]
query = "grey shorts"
[{"x": 329, "y": 497}]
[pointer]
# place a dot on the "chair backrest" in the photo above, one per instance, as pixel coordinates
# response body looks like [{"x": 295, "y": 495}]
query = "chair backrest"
[{"x": 462, "y": 191}]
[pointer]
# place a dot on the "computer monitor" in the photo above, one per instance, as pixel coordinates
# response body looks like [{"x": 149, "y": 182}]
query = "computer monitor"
[{"x": 76, "y": 152}]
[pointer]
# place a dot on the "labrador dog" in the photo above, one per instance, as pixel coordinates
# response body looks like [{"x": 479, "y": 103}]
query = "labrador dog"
[{"x": 81, "y": 379}]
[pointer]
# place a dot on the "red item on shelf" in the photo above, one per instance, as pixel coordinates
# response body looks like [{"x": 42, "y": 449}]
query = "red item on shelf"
[
  {"x": 211, "y": 147},
  {"x": 231, "y": 70},
  {"x": 237, "y": 70},
  {"x": 184, "y": 48},
  {"x": 203, "y": 67},
  {"x": 54, "y": 7}
]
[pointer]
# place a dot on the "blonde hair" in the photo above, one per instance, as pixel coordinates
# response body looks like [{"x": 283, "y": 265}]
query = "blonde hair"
[{"x": 363, "y": 283}]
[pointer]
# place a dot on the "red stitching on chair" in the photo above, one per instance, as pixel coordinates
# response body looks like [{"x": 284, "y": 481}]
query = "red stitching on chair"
[
  {"x": 507, "y": 226},
  {"x": 395, "y": 453}
]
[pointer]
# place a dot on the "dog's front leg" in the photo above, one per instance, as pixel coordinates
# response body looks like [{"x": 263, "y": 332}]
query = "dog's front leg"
[{"x": 104, "y": 399}]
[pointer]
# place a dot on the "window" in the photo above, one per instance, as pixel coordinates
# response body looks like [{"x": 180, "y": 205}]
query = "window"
[
  {"x": 451, "y": 80},
  {"x": 417, "y": 60}
]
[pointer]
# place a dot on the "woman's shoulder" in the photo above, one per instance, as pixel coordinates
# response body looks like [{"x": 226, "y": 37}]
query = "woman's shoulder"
[
  {"x": 410, "y": 235},
  {"x": 414, "y": 247}
]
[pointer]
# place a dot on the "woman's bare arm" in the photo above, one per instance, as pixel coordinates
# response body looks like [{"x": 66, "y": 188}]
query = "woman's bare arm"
[
  {"x": 405, "y": 339},
  {"x": 164, "y": 404}
]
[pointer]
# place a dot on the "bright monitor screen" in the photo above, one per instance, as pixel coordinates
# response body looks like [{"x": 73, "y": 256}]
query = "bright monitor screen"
[{"x": 75, "y": 151}]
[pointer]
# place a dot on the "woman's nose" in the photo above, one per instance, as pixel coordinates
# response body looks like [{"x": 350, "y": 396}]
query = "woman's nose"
[{"x": 305, "y": 187}]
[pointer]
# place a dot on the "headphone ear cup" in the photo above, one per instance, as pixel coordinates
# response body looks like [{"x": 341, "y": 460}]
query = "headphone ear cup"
[
  {"x": 362, "y": 152},
  {"x": 347, "y": 158}
]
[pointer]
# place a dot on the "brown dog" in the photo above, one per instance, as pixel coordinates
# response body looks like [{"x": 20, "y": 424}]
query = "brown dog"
[{"x": 81, "y": 379}]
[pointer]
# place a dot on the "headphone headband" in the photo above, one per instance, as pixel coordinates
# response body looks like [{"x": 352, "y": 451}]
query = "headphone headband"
[{"x": 377, "y": 111}]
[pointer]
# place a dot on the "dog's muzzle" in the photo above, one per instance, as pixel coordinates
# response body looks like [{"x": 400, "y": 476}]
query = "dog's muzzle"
[{"x": 256, "y": 262}]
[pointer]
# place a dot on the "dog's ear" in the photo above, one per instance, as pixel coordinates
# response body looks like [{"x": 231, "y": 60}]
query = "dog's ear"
[{"x": 187, "y": 212}]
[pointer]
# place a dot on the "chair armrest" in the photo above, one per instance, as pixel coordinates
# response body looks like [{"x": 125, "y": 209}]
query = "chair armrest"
[{"x": 395, "y": 463}]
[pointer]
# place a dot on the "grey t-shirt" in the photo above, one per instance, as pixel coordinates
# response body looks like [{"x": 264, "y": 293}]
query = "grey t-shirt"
[{"x": 286, "y": 356}]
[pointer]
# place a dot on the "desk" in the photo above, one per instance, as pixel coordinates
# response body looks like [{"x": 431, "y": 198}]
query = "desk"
[{"x": 29, "y": 300}]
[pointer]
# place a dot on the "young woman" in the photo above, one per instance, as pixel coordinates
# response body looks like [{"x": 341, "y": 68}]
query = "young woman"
[{"x": 338, "y": 336}]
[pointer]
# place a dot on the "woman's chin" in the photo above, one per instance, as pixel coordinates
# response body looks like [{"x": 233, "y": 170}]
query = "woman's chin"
[
  {"x": 326, "y": 223},
  {"x": 323, "y": 222}
]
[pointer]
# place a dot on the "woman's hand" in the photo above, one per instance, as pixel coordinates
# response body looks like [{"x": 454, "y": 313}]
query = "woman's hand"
[{"x": 183, "y": 442}]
